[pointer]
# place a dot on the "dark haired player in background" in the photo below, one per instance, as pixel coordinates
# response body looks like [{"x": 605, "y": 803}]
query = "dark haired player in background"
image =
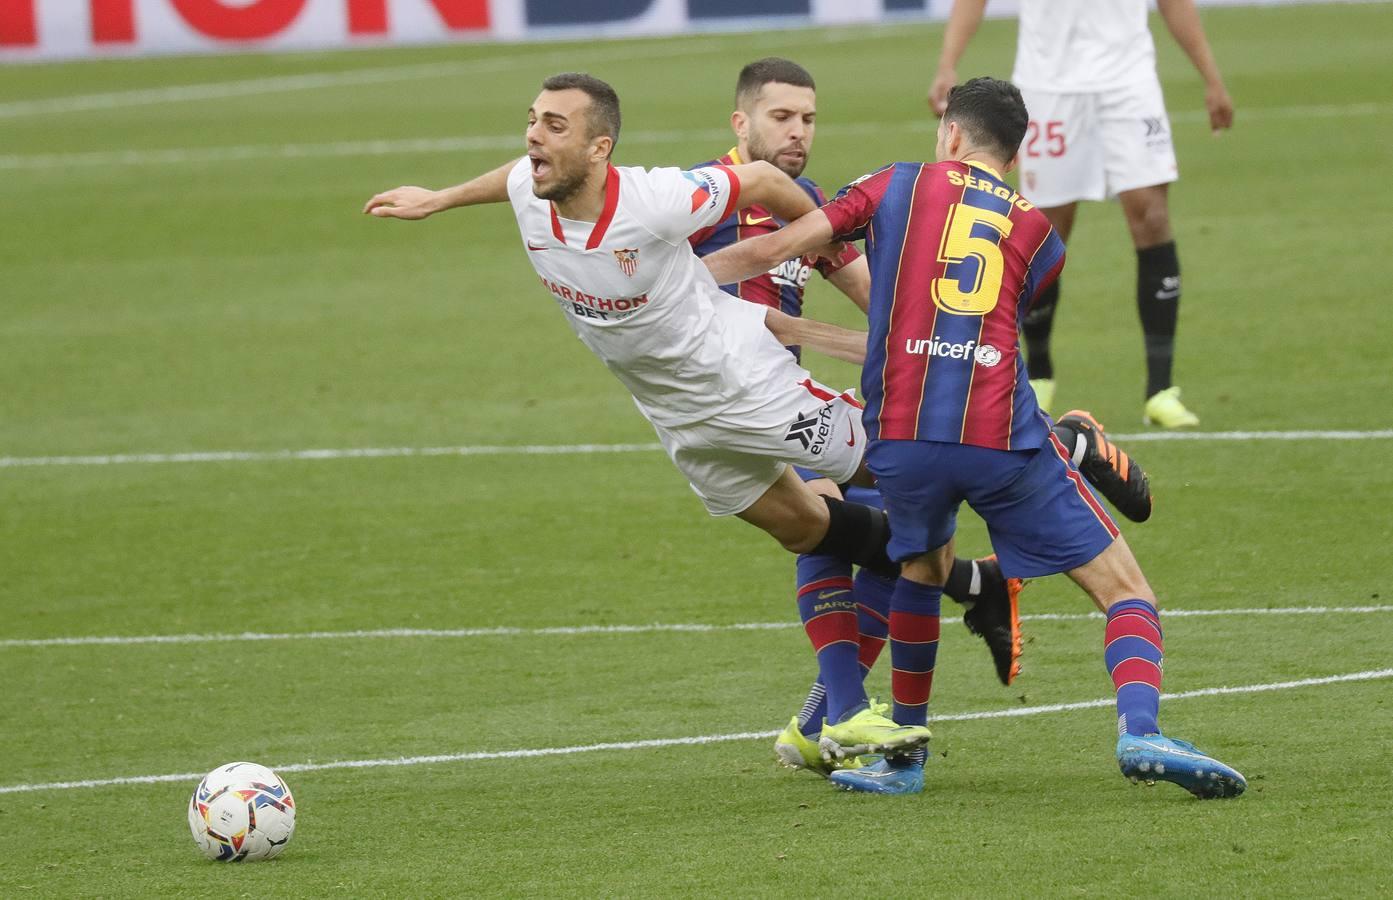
[{"x": 956, "y": 258}]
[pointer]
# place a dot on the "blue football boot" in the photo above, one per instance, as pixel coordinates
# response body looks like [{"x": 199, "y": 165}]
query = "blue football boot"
[
  {"x": 1155, "y": 757},
  {"x": 884, "y": 776}
]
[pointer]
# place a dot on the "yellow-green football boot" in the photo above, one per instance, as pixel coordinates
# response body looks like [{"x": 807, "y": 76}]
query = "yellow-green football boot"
[
  {"x": 1165, "y": 409},
  {"x": 796, "y": 750},
  {"x": 870, "y": 731}
]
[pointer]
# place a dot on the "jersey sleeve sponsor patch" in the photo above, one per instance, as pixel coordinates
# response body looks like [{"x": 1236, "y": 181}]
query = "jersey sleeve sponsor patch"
[{"x": 685, "y": 202}]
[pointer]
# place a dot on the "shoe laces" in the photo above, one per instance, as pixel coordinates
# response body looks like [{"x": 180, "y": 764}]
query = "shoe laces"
[{"x": 877, "y": 708}]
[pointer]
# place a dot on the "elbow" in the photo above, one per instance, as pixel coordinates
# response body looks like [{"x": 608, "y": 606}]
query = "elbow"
[{"x": 778, "y": 324}]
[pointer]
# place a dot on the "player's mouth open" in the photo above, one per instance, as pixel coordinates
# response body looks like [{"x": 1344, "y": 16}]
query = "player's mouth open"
[{"x": 540, "y": 167}]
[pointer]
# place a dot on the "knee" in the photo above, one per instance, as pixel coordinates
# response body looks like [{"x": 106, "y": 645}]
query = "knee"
[
  {"x": 1151, "y": 225},
  {"x": 801, "y": 531}
]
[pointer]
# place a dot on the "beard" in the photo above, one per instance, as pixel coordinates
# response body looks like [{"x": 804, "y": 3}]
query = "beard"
[
  {"x": 566, "y": 186},
  {"x": 760, "y": 150}
]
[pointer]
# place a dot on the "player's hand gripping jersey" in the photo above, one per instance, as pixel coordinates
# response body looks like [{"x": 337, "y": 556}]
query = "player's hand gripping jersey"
[
  {"x": 636, "y": 294},
  {"x": 956, "y": 259}
]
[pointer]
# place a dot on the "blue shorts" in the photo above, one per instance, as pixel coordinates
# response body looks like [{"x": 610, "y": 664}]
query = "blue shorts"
[
  {"x": 852, "y": 494},
  {"x": 1041, "y": 516}
]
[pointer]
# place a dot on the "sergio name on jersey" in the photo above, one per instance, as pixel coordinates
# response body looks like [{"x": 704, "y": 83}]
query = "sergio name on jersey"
[
  {"x": 639, "y": 298},
  {"x": 956, "y": 259}
]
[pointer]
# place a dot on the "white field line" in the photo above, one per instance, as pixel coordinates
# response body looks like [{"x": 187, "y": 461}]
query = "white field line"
[
  {"x": 513, "y": 142},
  {"x": 1010, "y": 712},
  {"x": 503, "y": 143},
  {"x": 215, "y": 456},
  {"x": 350, "y": 453},
  {"x": 569, "y": 630},
  {"x": 255, "y": 87}
]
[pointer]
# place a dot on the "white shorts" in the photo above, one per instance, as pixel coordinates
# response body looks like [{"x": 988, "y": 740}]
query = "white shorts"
[
  {"x": 732, "y": 458},
  {"x": 1096, "y": 145}
]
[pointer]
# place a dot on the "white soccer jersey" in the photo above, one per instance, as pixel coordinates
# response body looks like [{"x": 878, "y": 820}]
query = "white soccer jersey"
[
  {"x": 1081, "y": 46},
  {"x": 636, "y": 294}
]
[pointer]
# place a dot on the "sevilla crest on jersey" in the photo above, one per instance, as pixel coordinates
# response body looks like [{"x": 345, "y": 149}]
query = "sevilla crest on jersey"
[{"x": 628, "y": 261}]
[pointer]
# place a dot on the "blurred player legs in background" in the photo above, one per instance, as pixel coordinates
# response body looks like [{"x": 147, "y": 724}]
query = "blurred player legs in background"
[{"x": 1098, "y": 129}]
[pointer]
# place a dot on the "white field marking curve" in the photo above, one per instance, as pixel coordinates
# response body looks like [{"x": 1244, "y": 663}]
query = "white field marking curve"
[
  {"x": 391, "y": 762},
  {"x": 506, "y": 142},
  {"x": 519, "y": 56},
  {"x": 573, "y": 630},
  {"x": 219, "y": 456},
  {"x": 277, "y": 84}
]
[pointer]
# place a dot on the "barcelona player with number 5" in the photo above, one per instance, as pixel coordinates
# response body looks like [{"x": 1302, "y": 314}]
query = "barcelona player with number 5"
[{"x": 956, "y": 258}]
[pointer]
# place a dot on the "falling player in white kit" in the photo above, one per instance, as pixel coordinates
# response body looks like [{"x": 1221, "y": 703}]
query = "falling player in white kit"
[
  {"x": 731, "y": 406},
  {"x": 1098, "y": 129}
]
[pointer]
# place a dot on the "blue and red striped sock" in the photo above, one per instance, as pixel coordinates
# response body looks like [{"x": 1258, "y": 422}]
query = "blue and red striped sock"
[
  {"x": 872, "y": 593},
  {"x": 1133, "y": 651},
  {"x": 828, "y": 610},
  {"x": 914, "y": 626}
]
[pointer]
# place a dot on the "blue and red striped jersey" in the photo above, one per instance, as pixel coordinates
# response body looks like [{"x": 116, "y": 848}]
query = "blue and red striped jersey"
[
  {"x": 956, "y": 258},
  {"x": 780, "y": 287}
]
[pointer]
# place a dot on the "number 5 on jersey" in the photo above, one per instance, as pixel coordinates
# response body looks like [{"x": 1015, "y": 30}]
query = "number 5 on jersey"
[{"x": 971, "y": 256}]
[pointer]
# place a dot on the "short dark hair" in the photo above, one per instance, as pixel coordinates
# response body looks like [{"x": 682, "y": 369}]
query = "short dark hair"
[
  {"x": 772, "y": 68},
  {"x": 992, "y": 113},
  {"x": 603, "y": 116}
]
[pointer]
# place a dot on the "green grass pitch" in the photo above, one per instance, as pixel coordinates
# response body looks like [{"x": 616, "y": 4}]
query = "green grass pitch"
[{"x": 193, "y": 275}]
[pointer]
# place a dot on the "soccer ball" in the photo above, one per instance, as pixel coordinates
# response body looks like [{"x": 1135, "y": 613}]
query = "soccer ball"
[{"x": 241, "y": 811}]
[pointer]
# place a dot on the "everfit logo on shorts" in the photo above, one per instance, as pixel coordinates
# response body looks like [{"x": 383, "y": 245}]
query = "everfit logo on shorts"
[{"x": 812, "y": 430}]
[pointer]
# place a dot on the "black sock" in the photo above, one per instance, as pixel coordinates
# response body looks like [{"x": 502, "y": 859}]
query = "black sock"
[
  {"x": 858, "y": 534},
  {"x": 1039, "y": 322},
  {"x": 959, "y": 586},
  {"x": 1158, "y": 303}
]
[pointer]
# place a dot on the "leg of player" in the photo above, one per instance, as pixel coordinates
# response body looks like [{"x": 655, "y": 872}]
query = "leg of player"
[
  {"x": 1106, "y": 466},
  {"x": 804, "y": 521},
  {"x": 1133, "y": 651},
  {"x": 797, "y": 745},
  {"x": 991, "y": 609},
  {"x": 1158, "y": 301},
  {"x": 914, "y": 632},
  {"x": 1039, "y": 321}
]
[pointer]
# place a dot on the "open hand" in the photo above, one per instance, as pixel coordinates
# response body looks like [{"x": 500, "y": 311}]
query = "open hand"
[{"x": 407, "y": 202}]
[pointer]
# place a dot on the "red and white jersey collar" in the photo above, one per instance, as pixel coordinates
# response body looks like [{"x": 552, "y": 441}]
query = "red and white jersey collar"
[{"x": 597, "y": 233}]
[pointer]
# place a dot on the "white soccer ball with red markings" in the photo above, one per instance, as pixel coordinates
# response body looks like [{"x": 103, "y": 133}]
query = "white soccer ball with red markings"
[{"x": 241, "y": 812}]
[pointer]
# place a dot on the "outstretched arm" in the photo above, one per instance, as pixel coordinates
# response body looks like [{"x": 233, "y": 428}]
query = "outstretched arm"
[
  {"x": 829, "y": 340},
  {"x": 963, "y": 21},
  {"x": 412, "y": 202},
  {"x": 762, "y": 184},
  {"x": 745, "y": 259},
  {"x": 1183, "y": 20}
]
